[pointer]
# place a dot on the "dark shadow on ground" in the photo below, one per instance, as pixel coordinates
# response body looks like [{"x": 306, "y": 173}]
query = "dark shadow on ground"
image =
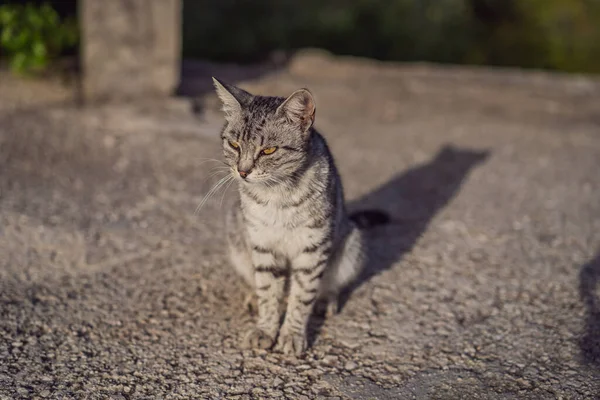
[
  {"x": 411, "y": 199},
  {"x": 589, "y": 280}
]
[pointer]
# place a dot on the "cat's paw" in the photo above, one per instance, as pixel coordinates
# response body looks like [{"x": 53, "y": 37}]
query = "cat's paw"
[
  {"x": 256, "y": 338},
  {"x": 291, "y": 343}
]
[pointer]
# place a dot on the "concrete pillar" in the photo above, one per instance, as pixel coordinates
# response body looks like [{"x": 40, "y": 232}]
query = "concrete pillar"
[{"x": 130, "y": 48}]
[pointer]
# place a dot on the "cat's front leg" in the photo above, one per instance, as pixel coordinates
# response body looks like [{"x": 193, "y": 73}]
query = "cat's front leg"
[
  {"x": 269, "y": 276},
  {"x": 307, "y": 272}
]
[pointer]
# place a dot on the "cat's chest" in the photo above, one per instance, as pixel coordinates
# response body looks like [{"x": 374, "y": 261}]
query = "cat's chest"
[
  {"x": 274, "y": 218},
  {"x": 281, "y": 229}
]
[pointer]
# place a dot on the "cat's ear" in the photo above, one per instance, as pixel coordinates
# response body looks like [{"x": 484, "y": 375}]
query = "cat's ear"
[
  {"x": 233, "y": 98},
  {"x": 299, "y": 109}
]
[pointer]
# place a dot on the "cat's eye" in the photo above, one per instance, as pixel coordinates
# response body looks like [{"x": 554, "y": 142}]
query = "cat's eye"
[
  {"x": 235, "y": 145},
  {"x": 269, "y": 150}
]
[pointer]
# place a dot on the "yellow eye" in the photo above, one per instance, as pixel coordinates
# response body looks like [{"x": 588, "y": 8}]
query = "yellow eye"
[
  {"x": 269, "y": 150},
  {"x": 235, "y": 145}
]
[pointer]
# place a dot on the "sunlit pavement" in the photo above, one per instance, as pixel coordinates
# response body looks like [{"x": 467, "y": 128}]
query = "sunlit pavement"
[{"x": 486, "y": 284}]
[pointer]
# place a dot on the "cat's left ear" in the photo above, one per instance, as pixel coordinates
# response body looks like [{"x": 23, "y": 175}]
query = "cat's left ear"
[
  {"x": 299, "y": 109},
  {"x": 233, "y": 98}
]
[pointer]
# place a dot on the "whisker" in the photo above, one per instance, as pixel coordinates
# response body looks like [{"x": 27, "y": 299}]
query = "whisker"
[
  {"x": 269, "y": 182},
  {"x": 218, "y": 168},
  {"x": 214, "y": 174},
  {"x": 221, "y": 169},
  {"x": 225, "y": 192},
  {"x": 212, "y": 191},
  {"x": 205, "y": 160},
  {"x": 210, "y": 159},
  {"x": 275, "y": 180}
]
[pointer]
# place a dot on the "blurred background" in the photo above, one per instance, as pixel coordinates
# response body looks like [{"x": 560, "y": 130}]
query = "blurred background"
[{"x": 559, "y": 35}]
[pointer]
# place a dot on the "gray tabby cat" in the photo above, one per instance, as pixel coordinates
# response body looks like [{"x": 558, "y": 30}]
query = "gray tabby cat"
[{"x": 289, "y": 222}]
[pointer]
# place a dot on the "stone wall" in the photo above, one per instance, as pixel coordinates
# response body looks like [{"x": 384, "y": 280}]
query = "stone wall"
[{"x": 130, "y": 48}]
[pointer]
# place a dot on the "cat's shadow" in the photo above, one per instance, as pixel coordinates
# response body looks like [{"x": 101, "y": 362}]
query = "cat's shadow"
[{"x": 411, "y": 199}]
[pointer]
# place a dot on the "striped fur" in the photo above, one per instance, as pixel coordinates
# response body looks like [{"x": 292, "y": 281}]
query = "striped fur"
[{"x": 289, "y": 222}]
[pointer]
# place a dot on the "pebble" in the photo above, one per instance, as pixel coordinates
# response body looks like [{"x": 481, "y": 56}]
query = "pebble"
[
  {"x": 349, "y": 344},
  {"x": 277, "y": 381},
  {"x": 329, "y": 361},
  {"x": 523, "y": 383},
  {"x": 389, "y": 368},
  {"x": 350, "y": 366}
]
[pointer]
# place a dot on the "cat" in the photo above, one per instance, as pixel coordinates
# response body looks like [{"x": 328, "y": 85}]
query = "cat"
[{"x": 288, "y": 227}]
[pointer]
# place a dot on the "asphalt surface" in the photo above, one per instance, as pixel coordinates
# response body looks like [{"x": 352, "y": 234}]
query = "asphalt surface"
[{"x": 486, "y": 284}]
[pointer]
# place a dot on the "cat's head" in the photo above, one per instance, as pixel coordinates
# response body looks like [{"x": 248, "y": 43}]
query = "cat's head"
[{"x": 265, "y": 138}]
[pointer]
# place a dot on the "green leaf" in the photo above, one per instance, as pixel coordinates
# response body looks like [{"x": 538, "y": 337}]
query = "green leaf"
[
  {"x": 39, "y": 49},
  {"x": 6, "y": 36},
  {"x": 32, "y": 36},
  {"x": 8, "y": 15}
]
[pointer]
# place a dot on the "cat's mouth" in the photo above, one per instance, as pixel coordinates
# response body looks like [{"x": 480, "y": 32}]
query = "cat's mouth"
[
  {"x": 247, "y": 179},
  {"x": 263, "y": 180}
]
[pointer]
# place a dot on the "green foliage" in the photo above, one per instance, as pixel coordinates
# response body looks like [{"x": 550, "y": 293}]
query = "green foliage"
[
  {"x": 32, "y": 36},
  {"x": 551, "y": 34},
  {"x": 569, "y": 32},
  {"x": 560, "y": 35}
]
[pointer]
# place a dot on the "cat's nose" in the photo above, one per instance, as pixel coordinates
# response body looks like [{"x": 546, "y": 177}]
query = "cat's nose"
[{"x": 243, "y": 174}]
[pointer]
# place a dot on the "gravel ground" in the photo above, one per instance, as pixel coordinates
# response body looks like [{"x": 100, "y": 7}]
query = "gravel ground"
[{"x": 486, "y": 285}]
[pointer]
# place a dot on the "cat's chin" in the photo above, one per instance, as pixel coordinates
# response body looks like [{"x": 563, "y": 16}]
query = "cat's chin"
[
  {"x": 250, "y": 181},
  {"x": 266, "y": 181}
]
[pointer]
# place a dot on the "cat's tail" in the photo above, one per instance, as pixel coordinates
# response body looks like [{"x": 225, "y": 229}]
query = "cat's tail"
[{"x": 367, "y": 219}]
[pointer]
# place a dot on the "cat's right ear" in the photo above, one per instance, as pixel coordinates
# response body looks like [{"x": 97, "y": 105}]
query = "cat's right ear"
[
  {"x": 299, "y": 109},
  {"x": 233, "y": 98}
]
